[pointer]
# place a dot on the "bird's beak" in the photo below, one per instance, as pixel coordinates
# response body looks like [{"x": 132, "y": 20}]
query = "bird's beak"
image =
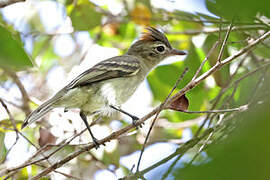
[{"x": 178, "y": 52}]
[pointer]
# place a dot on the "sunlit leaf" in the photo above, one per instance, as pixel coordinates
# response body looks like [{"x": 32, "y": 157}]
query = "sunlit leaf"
[
  {"x": 83, "y": 15},
  {"x": 221, "y": 76},
  {"x": 247, "y": 11},
  {"x": 141, "y": 14},
  {"x": 163, "y": 78},
  {"x": 12, "y": 54}
]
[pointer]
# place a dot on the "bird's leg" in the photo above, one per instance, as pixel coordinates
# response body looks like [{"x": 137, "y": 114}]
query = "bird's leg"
[
  {"x": 134, "y": 118},
  {"x": 84, "y": 118}
]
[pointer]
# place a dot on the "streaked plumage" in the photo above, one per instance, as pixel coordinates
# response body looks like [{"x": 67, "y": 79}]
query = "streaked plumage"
[{"x": 104, "y": 87}]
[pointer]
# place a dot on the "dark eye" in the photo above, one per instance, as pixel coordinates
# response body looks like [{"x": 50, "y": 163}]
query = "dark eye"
[{"x": 160, "y": 48}]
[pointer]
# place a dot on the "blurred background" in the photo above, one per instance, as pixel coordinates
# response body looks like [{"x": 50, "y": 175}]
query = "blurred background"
[{"x": 44, "y": 44}]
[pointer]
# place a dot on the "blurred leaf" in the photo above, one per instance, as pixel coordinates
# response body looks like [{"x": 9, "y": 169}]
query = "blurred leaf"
[
  {"x": 180, "y": 104},
  {"x": 111, "y": 158},
  {"x": 185, "y": 15},
  {"x": 7, "y": 124},
  {"x": 12, "y": 54},
  {"x": 141, "y": 14},
  {"x": 246, "y": 11},
  {"x": 246, "y": 89},
  {"x": 40, "y": 45},
  {"x": 3, "y": 150},
  {"x": 263, "y": 49},
  {"x": 45, "y": 137},
  {"x": 244, "y": 155},
  {"x": 223, "y": 75},
  {"x": 207, "y": 17},
  {"x": 43, "y": 48},
  {"x": 83, "y": 15},
  {"x": 124, "y": 36},
  {"x": 163, "y": 78}
]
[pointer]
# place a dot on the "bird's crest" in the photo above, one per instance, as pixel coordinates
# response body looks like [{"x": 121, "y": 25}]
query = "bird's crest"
[{"x": 152, "y": 34}]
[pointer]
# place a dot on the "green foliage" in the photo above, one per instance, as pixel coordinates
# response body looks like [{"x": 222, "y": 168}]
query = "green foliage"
[
  {"x": 163, "y": 78},
  {"x": 12, "y": 53},
  {"x": 245, "y": 11},
  {"x": 119, "y": 31},
  {"x": 245, "y": 155},
  {"x": 44, "y": 49},
  {"x": 223, "y": 75},
  {"x": 83, "y": 15}
]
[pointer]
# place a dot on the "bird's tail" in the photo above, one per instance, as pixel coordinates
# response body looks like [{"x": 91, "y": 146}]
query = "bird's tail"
[{"x": 39, "y": 112}]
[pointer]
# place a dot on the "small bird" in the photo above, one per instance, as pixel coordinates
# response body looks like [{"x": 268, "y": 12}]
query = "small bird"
[{"x": 102, "y": 89}]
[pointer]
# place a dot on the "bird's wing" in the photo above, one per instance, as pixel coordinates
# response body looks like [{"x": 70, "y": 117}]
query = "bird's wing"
[{"x": 116, "y": 67}]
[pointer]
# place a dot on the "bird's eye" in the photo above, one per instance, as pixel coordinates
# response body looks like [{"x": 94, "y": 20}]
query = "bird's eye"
[{"x": 160, "y": 49}]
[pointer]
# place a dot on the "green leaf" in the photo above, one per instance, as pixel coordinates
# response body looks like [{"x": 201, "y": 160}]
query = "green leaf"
[
  {"x": 240, "y": 10},
  {"x": 12, "y": 53},
  {"x": 43, "y": 48},
  {"x": 263, "y": 49},
  {"x": 163, "y": 78},
  {"x": 83, "y": 15},
  {"x": 223, "y": 75},
  {"x": 3, "y": 150}
]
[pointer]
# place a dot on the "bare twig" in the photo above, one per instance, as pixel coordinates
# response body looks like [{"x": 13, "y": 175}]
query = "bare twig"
[
  {"x": 153, "y": 122},
  {"x": 13, "y": 124},
  {"x": 205, "y": 59},
  {"x": 179, "y": 151},
  {"x": 25, "y": 97},
  {"x": 217, "y": 30},
  {"x": 241, "y": 108},
  {"x": 224, "y": 43}
]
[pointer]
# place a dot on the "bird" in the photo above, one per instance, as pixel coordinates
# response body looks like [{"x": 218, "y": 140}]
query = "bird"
[{"x": 103, "y": 88}]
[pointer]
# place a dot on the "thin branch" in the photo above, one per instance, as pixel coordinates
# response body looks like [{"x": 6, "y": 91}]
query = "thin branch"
[
  {"x": 157, "y": 114},
  {"x": 205, "y": 59},
  {"x": 217, "y": 30},
  {"x": 224, "y": 89},
  {"x": 13, "y": 124},
  {"x": 4, "y": 3},
  {"x": 187, "y": 88},
  {"x": 224, "y": 42},
  {"x": 179, "y": 151},
  {"x": 217, "y": 66},
  {"x": 241, "y": 108},
  {"x": 25, "y": 97}
]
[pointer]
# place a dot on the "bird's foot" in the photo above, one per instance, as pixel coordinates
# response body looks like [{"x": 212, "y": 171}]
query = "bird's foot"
[
  {"x": 96, "y": 143},
  {"x": 134, "y": 121}
]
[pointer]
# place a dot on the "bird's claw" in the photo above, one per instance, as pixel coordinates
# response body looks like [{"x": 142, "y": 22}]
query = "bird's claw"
[
  {"x": 96, "y": 143},
  {"x": 134, "y": 121}
]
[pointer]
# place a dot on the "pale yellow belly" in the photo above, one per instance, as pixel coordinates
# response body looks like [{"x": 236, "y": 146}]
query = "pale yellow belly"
[{"x": 98, "y": 97}]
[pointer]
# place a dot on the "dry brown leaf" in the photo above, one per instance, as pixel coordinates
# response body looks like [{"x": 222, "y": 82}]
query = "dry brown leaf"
[
  {"x": 180, "y": 104},
  {"x": 141, "y": 14},
  {"x": 45, "y": 137}
]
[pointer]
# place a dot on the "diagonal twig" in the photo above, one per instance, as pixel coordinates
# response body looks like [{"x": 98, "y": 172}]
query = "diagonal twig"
[
  {"x": 157, "y": 114},
  {"x": 184, "y": 90}
]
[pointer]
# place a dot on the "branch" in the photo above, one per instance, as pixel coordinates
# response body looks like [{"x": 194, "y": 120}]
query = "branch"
[
  {"x": 13, "y": 124},
  {"x": 25, "y": 98},
  {"x": 153, "y": 123},
  {"x": 179, "y": 151},
  {"x": 187, "y": 88},
  {"x": 241, "y": 108},
  {"x": 4, "y": 3},
  {"x": 224, "y": 42}
]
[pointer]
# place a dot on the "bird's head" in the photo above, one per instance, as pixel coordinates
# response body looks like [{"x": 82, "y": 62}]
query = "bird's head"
[{"x": 153, "y": 46}]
